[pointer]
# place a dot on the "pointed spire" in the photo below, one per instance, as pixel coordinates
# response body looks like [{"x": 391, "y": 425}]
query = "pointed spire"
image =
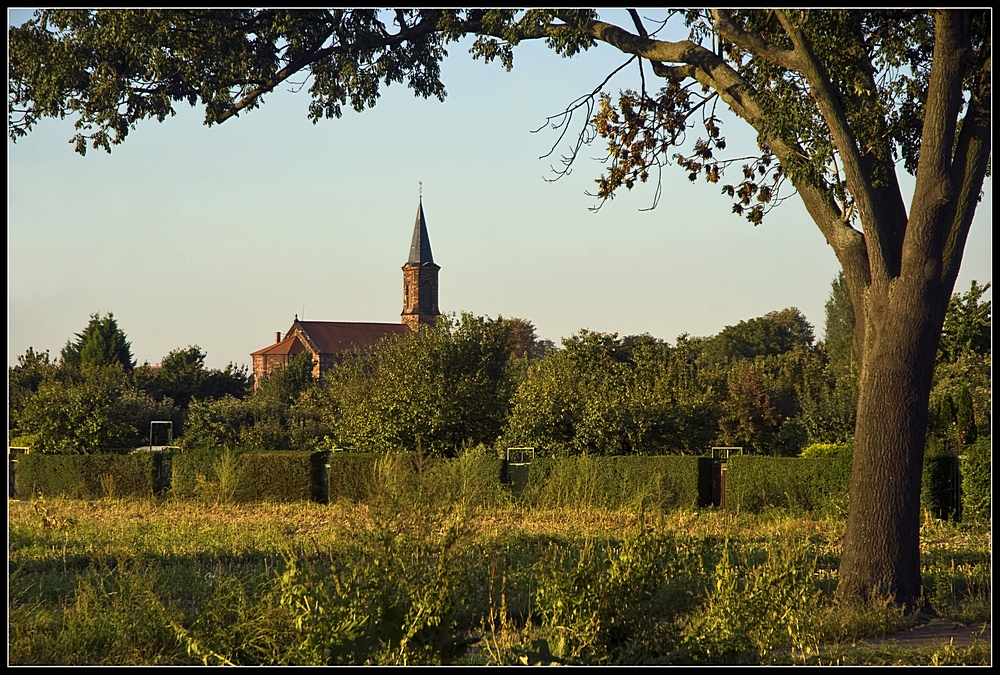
[{"x": 420, "y": 246}]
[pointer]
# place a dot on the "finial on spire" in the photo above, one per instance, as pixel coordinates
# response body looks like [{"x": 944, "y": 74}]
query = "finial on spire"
[{"x": 421, "y": 191}]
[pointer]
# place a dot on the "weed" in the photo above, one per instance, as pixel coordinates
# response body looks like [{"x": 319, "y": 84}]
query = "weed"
[
  {"x": 109, "y": 488},
  {"x": 227, "y": 476}
]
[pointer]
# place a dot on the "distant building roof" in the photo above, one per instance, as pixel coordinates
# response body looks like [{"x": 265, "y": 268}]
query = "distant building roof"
[
  {"x": 420, "y": 245},
  {"x": 334, "y": 337},
  {"x": 290, "y": 345}
]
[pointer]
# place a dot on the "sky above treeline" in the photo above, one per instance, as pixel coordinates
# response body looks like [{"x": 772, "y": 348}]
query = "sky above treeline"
[{"x": 219, "y": 237}]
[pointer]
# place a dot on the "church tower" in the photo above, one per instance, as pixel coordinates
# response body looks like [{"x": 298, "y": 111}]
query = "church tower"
[{"x": 420, "y": 278}]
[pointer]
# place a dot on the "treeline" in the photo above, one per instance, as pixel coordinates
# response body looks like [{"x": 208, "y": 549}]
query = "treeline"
[{"x": 764, "y": 384}]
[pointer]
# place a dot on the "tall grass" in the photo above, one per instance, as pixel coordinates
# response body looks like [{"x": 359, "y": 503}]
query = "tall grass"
[{"x": 438, "y": 569}]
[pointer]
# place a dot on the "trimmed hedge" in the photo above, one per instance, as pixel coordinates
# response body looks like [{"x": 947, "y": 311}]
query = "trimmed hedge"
[
  {"x": 284, "y": 476},
  {"x": 352, "y": 476},
  {"x": 185, "y": 468},
  {"x": 475, "y": 478},
  {"x": 754, "y": 483},
  {"x": 472, "y": 479},
  {"x": 612, "y": 482},
  {"x": 87, "y": 476},
  {"x": 479, "y": 478},
  {"x": 281, "y": 476}
]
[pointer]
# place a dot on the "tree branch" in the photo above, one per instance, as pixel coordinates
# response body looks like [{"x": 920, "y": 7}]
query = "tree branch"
[
  {"x": 754, "y": 44},
  {"x": 427, "y": 25},
  {"x": 885, "y": 256},
  {"x": 948, "y": 174}
]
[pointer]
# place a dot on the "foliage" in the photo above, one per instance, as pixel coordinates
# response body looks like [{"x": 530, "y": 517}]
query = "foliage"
[
  {"x": 211, "y": 475},
  {"x": 839, "y": 329},
  {"x": 828, "y": 403},
  {"x": 89, "y": 411},
  {"x": 824, "y": 450},
  {"x": 226, "y": 59},
  {"x": 280, "y": 415},
  {"x": 617, "y": 602},
  {"x": 114, "y": 618},
  {"x": 769, "y": 335},
  {"x": 440, "y": 389},
  {"x": 285, "y": 384},
  {"x": 473, "y": 480},
  {"x": 756, "y": 606},
  {"x": 650, "y": 484},
  {"x": 965, "y": 418},
  {"x": 101, "y": 343},
  {"x": 828, "y": 391},
  {"x": 795, "y": 483},
  {"x": 940, "y": 484},
  {"x": 599, "y": 394},
  {"x": 524, "y": 343},
  {"x": 352, "y": 475},
  {"x": 216, "y": 423},
  {"x": 748, "y": 419},
  {"x": 182, "y": 376},
  {"x": 23, "y": 381},
  {"x": 963, "y": 376},
  {"x": 971, "y": 372},
  {"x": 967, "y": 325},
  {"x": 977, "y": 483},
  {"x": 282, "y": 476}
]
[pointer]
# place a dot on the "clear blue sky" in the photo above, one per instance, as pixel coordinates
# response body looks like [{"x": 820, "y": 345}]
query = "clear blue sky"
[{"x": 219, "y": 236}]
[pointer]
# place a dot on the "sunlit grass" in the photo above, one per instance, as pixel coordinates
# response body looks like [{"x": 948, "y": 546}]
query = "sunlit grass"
[{"x": 140, "y": 582}]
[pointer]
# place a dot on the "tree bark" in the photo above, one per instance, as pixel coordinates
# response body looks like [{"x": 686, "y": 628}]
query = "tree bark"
[{"x": 881, "y": 549}]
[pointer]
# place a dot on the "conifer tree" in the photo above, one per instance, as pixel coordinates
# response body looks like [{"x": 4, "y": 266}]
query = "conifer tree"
[{"x": 101, "y": 343}]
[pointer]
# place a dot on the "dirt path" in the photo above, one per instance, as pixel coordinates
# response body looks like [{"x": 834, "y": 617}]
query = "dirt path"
[{"x": 937, "y": 633}]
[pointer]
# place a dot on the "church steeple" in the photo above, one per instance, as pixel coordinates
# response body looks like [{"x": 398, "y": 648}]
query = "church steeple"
[
  {"x": 420, "y": 245},
  {"x": 420, "y": 277}
]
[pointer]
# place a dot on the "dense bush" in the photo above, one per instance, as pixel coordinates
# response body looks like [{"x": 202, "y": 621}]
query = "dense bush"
[{"x": 440, "y": 389}]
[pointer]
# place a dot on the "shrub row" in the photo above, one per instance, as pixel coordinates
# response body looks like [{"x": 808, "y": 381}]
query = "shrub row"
[
  {"x": 659, "y": 482},
  {"x": 286, "y": 476},
  {"x": 753, "y": 483},
  {"x": 89, "y": 476}
]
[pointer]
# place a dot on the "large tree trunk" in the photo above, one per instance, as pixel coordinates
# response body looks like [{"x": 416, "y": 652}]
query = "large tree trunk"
[{"x": 881, "y": 551}]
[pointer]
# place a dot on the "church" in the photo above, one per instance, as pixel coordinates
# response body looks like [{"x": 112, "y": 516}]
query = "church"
[{"x": 327, "y": 341}]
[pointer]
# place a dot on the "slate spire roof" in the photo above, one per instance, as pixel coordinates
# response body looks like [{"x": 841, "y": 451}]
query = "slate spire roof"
[{"x": 420, "y": 245}]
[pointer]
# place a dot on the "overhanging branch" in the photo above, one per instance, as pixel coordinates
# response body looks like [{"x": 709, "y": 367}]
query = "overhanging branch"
[{"x": 427, "y": 25}]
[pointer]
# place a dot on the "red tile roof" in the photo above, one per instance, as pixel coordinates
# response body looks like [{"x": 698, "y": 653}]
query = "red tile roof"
[
  {"x": 290, "y": 345},
  {"x": 334, "y": 337}
]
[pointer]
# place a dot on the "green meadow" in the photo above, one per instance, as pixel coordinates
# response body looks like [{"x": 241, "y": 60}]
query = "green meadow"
[{"x": 421, "y": 575}]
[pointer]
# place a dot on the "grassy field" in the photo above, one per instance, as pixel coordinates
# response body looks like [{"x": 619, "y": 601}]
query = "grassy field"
[{"x": 416, "y": 581}]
